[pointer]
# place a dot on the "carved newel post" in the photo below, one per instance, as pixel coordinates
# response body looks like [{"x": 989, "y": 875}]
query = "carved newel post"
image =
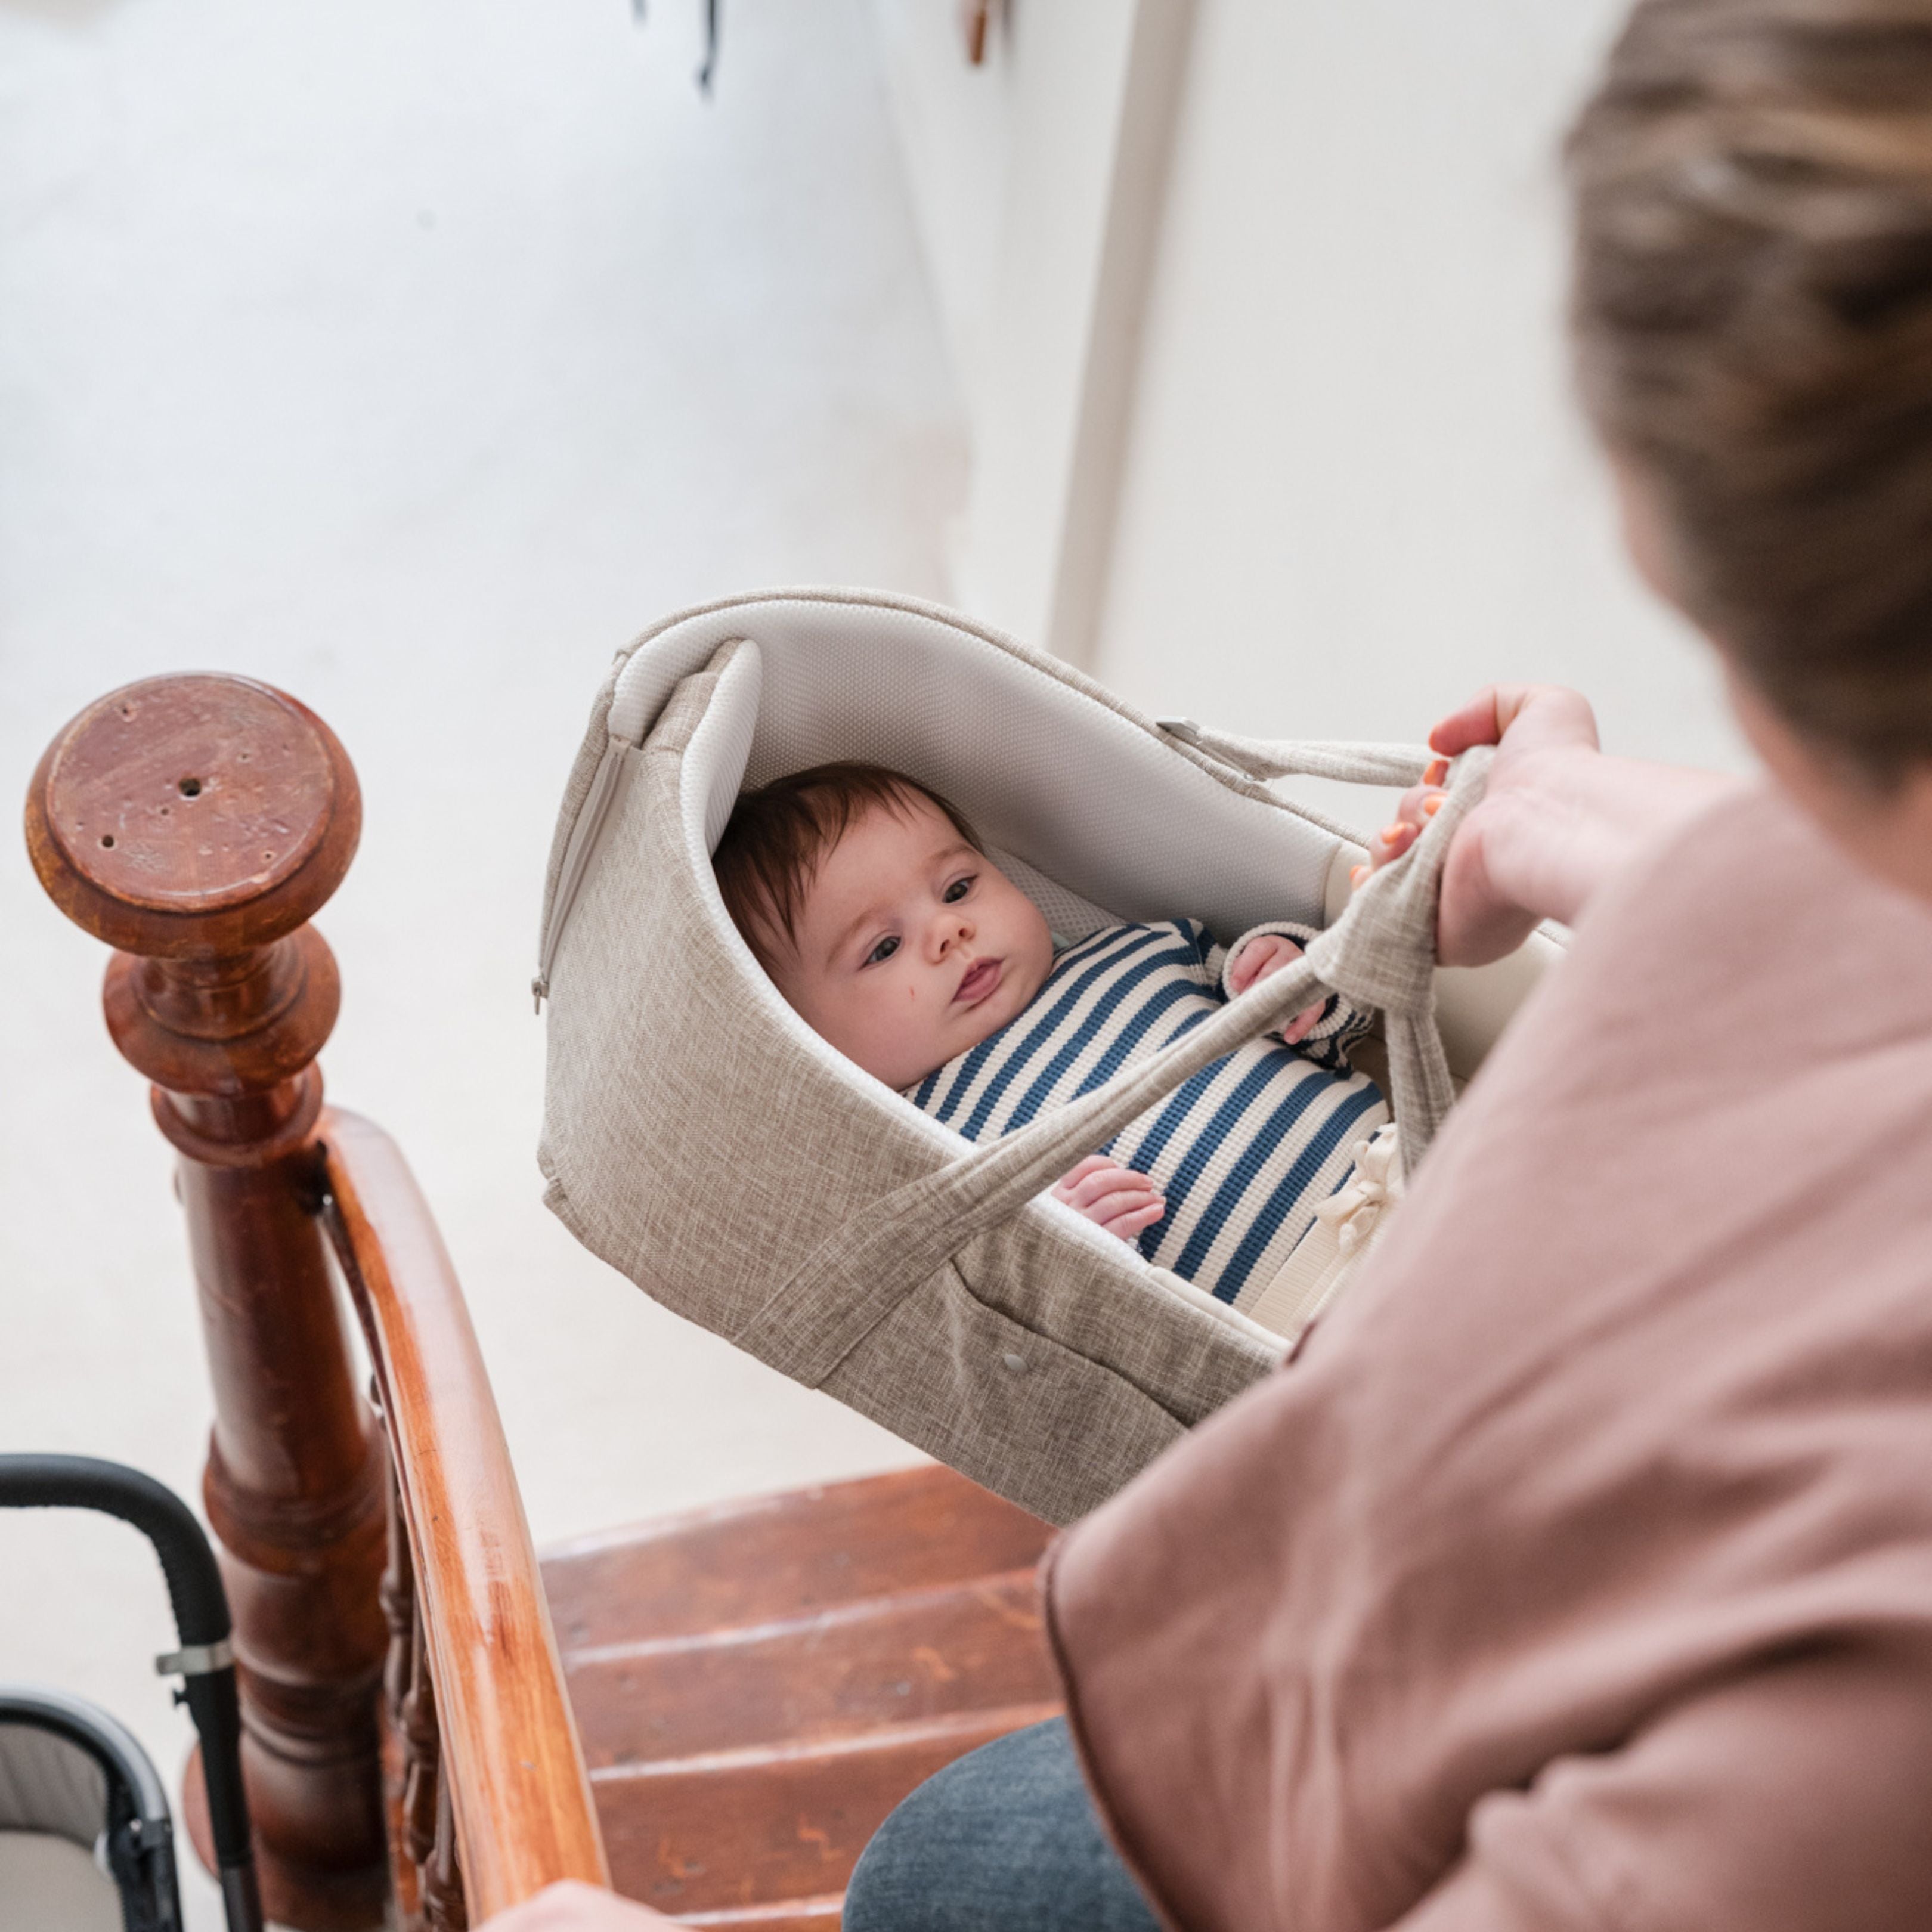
[{"x": 196, "y": 824}]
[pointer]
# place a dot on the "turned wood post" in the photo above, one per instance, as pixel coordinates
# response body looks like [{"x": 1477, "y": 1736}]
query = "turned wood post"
[{"x": 196, "y": 824}]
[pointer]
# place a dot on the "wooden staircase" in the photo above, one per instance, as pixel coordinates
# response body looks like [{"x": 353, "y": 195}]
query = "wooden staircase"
[
  {"x": 713, "y": 1713},
  {"x": 756, "y": 1686}
]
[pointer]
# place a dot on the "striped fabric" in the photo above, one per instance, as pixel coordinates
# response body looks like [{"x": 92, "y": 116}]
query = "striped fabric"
[{"x": 1244, "y": 1152}]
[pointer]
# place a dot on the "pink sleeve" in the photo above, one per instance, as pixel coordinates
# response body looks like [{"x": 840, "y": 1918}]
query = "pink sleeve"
[{"x": 1797, "y": 1799}]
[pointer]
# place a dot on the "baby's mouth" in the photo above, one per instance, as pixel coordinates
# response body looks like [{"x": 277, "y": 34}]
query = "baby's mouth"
[{"x": 982, "y": 976}]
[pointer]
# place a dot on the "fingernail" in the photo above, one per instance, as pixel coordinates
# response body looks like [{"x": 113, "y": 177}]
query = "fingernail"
[
  {"x": 1356, "y": 873},
  {"x": 1391, "y": 833},
  {"x": 1432, "y": 805},
  {"x": 1436, "y": 772}
]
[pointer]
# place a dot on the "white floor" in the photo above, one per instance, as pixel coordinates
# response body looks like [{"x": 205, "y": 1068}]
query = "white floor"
[{"x": 411, "y": 355}]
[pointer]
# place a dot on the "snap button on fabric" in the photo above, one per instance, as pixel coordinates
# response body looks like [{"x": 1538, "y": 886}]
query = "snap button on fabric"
[{"x": 1015, "y": 1364}]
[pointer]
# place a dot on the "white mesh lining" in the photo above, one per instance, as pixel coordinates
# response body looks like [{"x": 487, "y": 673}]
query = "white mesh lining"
[
  {"x": 713, "y": 765},
  {"x": 1080, "y": 793},
  {"x": 1068, "y": 916},
  {"x": 735, "y": 708}
]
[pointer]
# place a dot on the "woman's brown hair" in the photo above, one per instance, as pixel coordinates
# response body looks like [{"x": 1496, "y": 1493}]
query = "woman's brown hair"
[{"x": 1753, "y": 313}]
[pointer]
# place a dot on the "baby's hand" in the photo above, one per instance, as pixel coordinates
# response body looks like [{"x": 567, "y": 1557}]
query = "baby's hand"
[
  {"x": 1269, "y": 952},
  {"x": 1111, "y": 1196}
]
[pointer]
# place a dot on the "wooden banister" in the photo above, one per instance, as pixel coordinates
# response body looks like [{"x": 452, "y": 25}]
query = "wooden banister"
[
  {"x": 511, "y": 1762},
  {"x": 197, "y": 823}
]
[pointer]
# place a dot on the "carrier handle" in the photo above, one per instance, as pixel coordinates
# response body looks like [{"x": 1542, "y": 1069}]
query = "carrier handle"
[
  {"x": 1380, "y": 953},
  {"x": 1348, "y": 763}
]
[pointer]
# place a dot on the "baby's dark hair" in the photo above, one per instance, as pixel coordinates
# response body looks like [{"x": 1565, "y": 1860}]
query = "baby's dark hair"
[{"x": 778, "y": 834}]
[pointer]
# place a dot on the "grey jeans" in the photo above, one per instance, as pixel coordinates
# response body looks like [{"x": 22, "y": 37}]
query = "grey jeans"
[{"x": 1003, "y": 1839}]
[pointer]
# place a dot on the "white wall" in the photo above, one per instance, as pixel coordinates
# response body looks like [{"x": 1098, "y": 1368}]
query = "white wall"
[
  {"x": 1035, "y": 181},
  {"x": 1349, "y": 483},
  {"x": 1357, "y": 486},
  {"x": 952, "y": 121}
]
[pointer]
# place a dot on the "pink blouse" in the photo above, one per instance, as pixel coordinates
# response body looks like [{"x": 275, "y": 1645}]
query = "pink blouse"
[{"x": 1578, "y": 1574}]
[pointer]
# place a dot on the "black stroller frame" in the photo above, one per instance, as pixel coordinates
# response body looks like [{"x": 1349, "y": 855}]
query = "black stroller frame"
[{"x": 140, "y": 1850}]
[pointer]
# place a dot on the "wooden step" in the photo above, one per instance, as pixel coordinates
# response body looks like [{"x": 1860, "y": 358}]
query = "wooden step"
[
  {"x": 795, "y": 1915},
  {"x": 782, "y": 1555},
  {"x": 896, "y": 1659},
  {"x": 776, "y": 1823},
  {"x": 757, "y": 1686}
]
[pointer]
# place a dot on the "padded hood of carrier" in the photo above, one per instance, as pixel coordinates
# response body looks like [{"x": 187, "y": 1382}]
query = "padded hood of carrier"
[{"x": 1049, "y": 767}]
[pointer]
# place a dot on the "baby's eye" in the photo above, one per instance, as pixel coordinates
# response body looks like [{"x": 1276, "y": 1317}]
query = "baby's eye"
[
  {"x": 882, "y": 951},
  {"x": 958, "y": 890}
]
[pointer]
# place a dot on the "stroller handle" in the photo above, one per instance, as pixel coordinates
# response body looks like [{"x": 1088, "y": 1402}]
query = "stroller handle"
[{"x": 200, "y": 1605}]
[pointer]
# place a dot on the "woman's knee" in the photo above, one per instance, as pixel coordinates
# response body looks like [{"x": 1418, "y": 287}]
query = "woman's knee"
[{"x": 1005, "y": 1836}]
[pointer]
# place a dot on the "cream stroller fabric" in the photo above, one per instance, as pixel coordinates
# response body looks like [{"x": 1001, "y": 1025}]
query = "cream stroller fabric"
[{"x": 701, "y": 1138}]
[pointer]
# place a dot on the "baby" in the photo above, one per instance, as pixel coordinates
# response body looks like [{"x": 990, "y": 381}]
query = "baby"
[{"x": 871, "y": 902}]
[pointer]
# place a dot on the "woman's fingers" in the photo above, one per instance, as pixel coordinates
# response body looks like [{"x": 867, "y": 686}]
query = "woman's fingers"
[
  {"x": 1402, "y": 831},
  {"x": 1551, "y": 713},
  {"x": 1482, "y": 721}
]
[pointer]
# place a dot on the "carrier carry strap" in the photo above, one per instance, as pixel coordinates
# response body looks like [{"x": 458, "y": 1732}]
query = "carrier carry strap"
[
  {"x": 1304, "y": 758},
  {"x": 1380, "y": 953}
]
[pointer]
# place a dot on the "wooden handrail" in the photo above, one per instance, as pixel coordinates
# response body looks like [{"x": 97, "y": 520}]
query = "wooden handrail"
[{"x": 512, "y": 1764}]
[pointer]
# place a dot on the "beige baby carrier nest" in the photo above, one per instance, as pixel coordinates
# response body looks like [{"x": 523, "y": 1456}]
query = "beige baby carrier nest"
[{"x": 702, "y": 1139}]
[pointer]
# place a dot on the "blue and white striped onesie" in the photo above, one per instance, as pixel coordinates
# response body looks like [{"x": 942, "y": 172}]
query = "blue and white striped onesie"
[{"x": 1244, "y": 1152}]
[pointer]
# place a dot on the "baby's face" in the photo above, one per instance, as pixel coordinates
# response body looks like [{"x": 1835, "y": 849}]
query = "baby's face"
[{"x": 911, "y": 946}]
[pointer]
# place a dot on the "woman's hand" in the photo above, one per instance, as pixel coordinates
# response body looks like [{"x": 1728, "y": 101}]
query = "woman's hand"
[
  {"x": 569, "y": 1906},
  {"x": 1111, "y": 1196},
  {"x": 1558, "y": 817}
]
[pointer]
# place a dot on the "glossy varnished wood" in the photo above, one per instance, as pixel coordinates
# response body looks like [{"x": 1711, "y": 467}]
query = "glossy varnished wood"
[
  {"x": 772, "y": 1825},
  {"x": 786, "y": 1555},
  {"x": 197, "y": 823},
  {"x": 758, "y": 1685},
  {"x": 821, "y": 1914},
  {"x": 511, "y": 1771},
  {"x": 193, "y": 817},
  {"x": 906, "y": 1658}
]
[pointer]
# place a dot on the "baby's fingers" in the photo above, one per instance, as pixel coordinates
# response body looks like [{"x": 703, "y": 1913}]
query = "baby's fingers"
[
  {"x": 1105, "y": 1184},
  {"x": 1136, "y": 1221},
  {"x": 1259, "y": 957},
  {"x": 1117, "y": 1202},
  {"x": 1094, "y": 1163}
]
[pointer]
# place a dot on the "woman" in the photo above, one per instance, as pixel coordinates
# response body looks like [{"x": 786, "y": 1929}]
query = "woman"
[{"x": 1578, "y": 1574}]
